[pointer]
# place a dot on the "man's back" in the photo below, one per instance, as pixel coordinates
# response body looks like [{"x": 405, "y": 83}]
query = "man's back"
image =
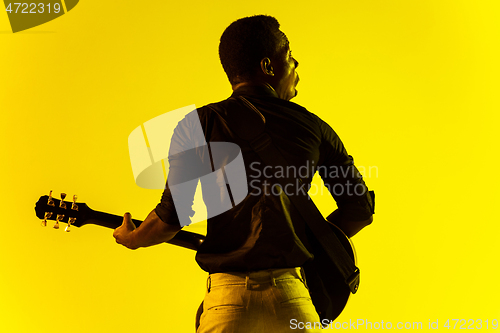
[{"x": 265, "y": 231}]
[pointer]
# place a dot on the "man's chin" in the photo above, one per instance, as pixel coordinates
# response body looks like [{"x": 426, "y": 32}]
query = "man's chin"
[{"x": 292, "y": 95}]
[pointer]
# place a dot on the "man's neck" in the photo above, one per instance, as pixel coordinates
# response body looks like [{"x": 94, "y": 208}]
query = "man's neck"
[
  {"x": 242, "y": 84},
  {"x": 254, "y": 89}
]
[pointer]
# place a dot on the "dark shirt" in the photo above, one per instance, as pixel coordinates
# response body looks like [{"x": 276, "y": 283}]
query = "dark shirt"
[{"x": 264, "y": 230}]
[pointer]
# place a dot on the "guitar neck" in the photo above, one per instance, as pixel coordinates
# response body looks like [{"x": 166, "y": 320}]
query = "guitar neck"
[
  {"x": 108, "y": 220},
  {"x": 79, "y": 214},
  {"x": 186, "y": 239}
]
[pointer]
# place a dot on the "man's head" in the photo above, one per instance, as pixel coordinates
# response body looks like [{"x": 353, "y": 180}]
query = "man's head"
[{"x": 253, "y": 50}]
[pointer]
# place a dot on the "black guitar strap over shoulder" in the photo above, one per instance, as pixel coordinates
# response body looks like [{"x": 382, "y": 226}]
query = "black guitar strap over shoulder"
[{"x": 249, "y": 124}]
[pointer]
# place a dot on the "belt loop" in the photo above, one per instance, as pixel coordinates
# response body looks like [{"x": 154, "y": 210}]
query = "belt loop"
[
  {"x": 209, "y": 283},
  {"x": 247, "y": 286},
  {"x": 303, "y": 275},
  {"x": 273, "y": 280}
]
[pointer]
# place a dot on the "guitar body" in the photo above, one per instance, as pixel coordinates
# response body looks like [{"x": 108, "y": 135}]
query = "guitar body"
[{"x": 327, "y": 287}]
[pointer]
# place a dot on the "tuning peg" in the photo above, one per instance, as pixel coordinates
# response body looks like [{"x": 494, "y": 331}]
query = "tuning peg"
[
  {"x": 47, "y": 216},
  {"x": 58, "y": 218},
  {"x": 50, "y": 202},
  {"x": 74, "y": 206},
  {"x": 70, "y": 221},
  {"x": 63, "y": 204}
]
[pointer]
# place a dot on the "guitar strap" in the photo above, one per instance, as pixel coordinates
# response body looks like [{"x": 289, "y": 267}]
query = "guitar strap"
[{"x": 249, "y": 124}]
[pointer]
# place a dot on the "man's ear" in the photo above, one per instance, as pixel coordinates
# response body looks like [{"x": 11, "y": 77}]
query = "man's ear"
[{"x": 265, "y": 65}]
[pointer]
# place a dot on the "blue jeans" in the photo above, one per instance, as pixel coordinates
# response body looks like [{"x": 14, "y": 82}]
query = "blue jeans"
[{"x": 274, "y": 300}]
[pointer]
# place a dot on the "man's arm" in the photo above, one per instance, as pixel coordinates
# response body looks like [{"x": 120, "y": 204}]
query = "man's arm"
[
  {"x": 350, "y": 228},
  {"x": 151, "y": 232},
  {"x": 356, "y": 205}
]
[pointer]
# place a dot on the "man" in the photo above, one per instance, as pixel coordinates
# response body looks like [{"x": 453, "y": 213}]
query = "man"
[{"x": 254, "y": 252}]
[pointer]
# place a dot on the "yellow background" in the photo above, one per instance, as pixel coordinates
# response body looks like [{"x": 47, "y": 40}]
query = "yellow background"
[{"x": 410, "y": 86}]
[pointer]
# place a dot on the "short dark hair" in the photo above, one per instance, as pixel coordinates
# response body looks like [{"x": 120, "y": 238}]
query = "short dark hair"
[{"x": 245, "y": 42}]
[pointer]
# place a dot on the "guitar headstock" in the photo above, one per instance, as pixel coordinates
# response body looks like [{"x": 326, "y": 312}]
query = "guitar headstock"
[{"x": 70, "y": 212}]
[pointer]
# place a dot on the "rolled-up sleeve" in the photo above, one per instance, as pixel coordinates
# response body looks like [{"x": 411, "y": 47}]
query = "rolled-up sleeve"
[{"x": 166, "y": 208}]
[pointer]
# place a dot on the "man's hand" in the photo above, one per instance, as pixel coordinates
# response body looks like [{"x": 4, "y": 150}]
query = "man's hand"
[
  {"x": 151, "y": 232},
  {"x": 124, "y": 233}
]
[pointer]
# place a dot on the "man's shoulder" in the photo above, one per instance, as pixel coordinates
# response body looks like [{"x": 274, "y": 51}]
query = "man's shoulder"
[
  {"x": 219, "y": 110},
  {"x": 222, "y": 105},
  {"x": 263, "y": 103}
]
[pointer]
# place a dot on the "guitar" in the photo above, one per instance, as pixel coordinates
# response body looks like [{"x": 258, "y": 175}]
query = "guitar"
[
  {"x": 328, "y": 290},
  {"x": 326, "y": 284},
  {"x": 77, "y": 214}
]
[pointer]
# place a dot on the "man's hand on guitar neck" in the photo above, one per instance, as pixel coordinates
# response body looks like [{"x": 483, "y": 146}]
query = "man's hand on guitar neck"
[{"x": 151, "y": 232}]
